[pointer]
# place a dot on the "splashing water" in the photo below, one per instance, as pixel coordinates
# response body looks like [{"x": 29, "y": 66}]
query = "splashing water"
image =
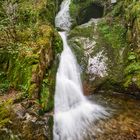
[
  {"x": 62, "y": 19},
  {"x": 74, "y": 114}
]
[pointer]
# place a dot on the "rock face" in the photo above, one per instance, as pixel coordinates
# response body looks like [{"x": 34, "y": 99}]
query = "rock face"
[
  {"x": 82, "y": 11},
  {"x": 94, "y": 10},
  {"x": 108, "y": 50},
  {"x": 28, "y": 64},
  {"x": 29, "y": 46},
  {"x": 92, "y": 58},
  {"x": 128, "y": 41}
]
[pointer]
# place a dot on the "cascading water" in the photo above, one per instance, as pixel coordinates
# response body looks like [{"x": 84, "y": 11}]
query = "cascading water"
[
  {"x": 62, "y": 19},
  {"x": 73, "y": 112}
]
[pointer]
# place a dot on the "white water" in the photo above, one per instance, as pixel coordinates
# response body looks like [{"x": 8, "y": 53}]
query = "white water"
[
  {"x": 62, "y": 20},
  {"x": 74, "y": 114}
]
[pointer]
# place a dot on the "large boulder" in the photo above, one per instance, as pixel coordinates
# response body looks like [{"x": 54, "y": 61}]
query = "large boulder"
[{"x": 109, "y": 52}]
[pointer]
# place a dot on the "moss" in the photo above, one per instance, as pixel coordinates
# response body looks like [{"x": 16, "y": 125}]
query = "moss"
[
  {"x": 34, "y": 68},
  {"x": 48, "y": 85},
  {"x": 50, "y": 123},
  {"x": 5, "y": 113},
  {"x": 132, "y": 56},
  {"x": 117, "y": 9},
  {"x": 31, "y": 90},
  {"x": 133, "y": 82},
  {"x": 30, "y": 11},
  {"x": 30, "y": 58},
  {"x": 115, "y": 34},
  {"x": 134, "y": 10},
  {"x": 78, "y": 7},
  {"x": 47, "y": 90},
  {"x": 27, "y": 67},
  {"x": 57, "y": 43},
  {"x": 29, "y": 46},
  {"x": 19, "y": 72},
  {"x": 4, "y": 85},
  {"x": 45, "y": 96},
  {"x": 127, "y": 17},
  {"x": 132, "y": 68},
  {"x": 82, "y": 31},
  {"x": 128, "y": 81},
  {"x": 79, "y": 52}
]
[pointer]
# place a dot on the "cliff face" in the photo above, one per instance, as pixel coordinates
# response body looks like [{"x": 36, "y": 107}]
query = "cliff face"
[
  {"x": 108, "y": 48},
  {"x": 29, "y": 45},
  {"x": 121, "y": 30}
]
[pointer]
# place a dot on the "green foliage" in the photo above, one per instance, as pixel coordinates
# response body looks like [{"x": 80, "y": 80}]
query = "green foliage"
[
  {"x": 118, "y": 9},
  {"x": 25, "y": 35},
  {"x": 57, "y": 43},
  {"x": 20, "y": 19},
  {"x": 133, "y": 68},
  {"x": 48, "y": 88},
  {"x": 19, "y": 72},
  {"x": 47, "y": 91},
  {"x": 4, "y": 113},
  {"x": 74, "y": 12},
  {"x": 44, "y": 96},
  {"x": 133, "y": 11},
  {"x": 114, "y": 34},
  {"x": 133, "y": 64},
  {"x": 4, "y": 83},
  {"x": 82, "y": 31},
  {"x": 4, "y": 86},
  {"x": 31, "y": 12},
  {"x": 132, "y": 56}
]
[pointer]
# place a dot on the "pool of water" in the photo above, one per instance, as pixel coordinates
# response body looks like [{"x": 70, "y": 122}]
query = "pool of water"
[{"x": 124, "y": 120}]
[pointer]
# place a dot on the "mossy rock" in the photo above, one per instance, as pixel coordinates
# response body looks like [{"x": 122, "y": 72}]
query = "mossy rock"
[{"x": 82, "y": 11}]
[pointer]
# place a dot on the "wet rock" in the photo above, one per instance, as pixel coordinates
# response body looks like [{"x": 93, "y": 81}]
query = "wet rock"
[
  {"x": 117, "y": 37},
  {"x": 26, "y": 124},
  {"x": 123, "y": 122},
  {"x": 93, "y": 60}
]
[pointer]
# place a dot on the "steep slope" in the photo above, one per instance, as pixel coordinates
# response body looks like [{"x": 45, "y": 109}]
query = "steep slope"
[{"x": 29, "y": 46}]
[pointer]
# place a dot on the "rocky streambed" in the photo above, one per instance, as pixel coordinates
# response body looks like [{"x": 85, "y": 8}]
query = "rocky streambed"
[{"x": 124, "y": 122}]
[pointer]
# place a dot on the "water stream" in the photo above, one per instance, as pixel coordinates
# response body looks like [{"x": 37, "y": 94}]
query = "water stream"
[{"x": 74, "y": 114}]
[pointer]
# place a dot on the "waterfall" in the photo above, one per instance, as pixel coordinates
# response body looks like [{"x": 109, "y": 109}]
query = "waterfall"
[
  {"x": 73, "y": 113},
  {"x": 62, "y": 19}
]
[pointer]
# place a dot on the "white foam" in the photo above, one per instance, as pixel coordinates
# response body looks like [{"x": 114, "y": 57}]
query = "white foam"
[{"x": 73, "y": 113}]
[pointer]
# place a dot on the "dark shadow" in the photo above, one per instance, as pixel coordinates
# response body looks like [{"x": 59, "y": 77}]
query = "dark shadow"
[{"x": 95, "y": 10}]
